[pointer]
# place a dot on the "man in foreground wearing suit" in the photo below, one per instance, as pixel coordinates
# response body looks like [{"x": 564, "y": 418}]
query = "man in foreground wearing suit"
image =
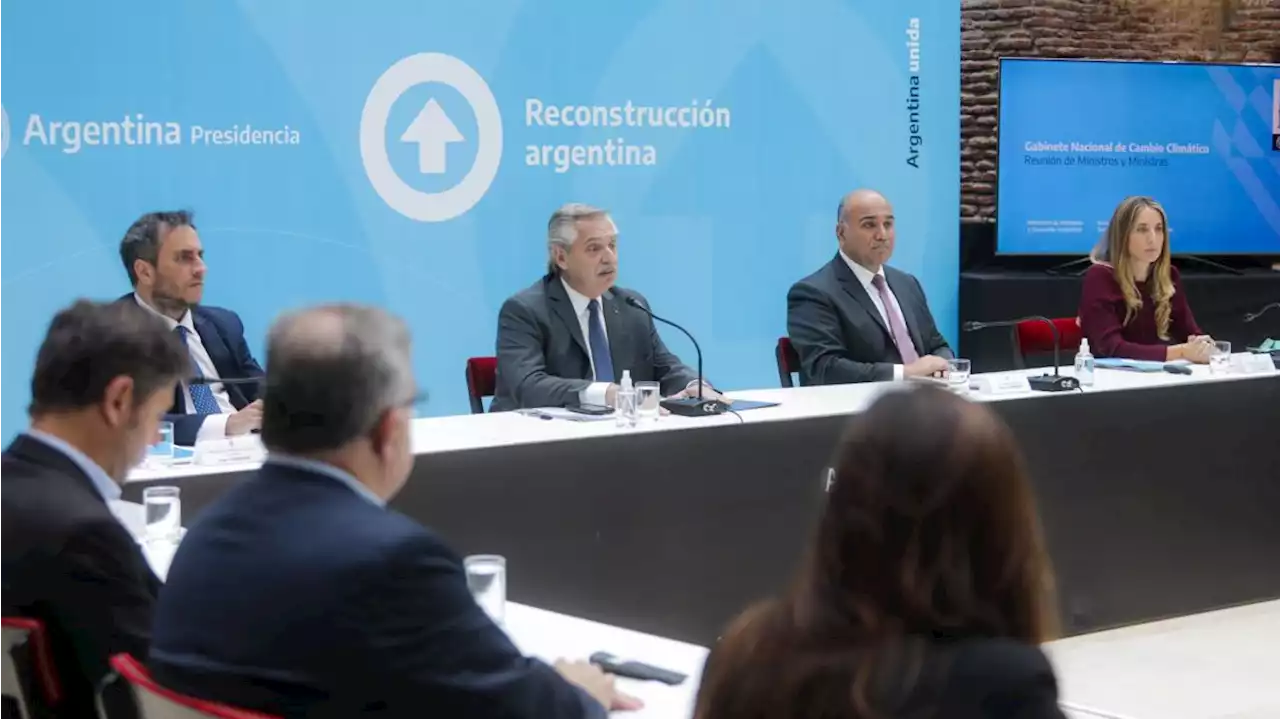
[
  {"x": 566, "y": 340},
  {"x": 299, "y": 593},
  {"x": 103, "y": 379},
  {"x": 856, "y": 320},
  {"x": 165, "y": 261}
]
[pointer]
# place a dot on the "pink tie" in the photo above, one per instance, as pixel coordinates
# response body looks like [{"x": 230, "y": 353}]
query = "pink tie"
[{"x": 901, "y": 337}]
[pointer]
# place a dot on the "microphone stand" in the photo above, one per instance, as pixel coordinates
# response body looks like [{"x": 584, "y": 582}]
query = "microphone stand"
[
  {"x": 227, "y": 381},
  {"x": 689, "y": 406},
  {"x": 1046, "y": 382}
]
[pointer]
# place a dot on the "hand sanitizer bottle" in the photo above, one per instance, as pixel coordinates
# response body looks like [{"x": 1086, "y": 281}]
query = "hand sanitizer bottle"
[
  {"x": 625, "y": 408},
  {"x": 1084, "y": 365}
]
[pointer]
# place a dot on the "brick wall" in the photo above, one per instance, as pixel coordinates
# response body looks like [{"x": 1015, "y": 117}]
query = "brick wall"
[{"x": 1220, "y": 30}]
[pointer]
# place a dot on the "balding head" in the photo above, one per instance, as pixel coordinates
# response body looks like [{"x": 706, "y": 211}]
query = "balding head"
[
  {"x": 857, "y": 201},
  {"x": 865, "y": 228},
  {"x": 333, "y": 373}
]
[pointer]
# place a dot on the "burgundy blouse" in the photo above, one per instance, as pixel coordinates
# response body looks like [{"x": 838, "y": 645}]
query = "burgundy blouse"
[{"x": 1102, "y": 312}]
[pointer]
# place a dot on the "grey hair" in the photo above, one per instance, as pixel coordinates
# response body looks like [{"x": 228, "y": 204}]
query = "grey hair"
[
  {"x": 332, "y": 371},
  {"x": 562, "y": 229}
]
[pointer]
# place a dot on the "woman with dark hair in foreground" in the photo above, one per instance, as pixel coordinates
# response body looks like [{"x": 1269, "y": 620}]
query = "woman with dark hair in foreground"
[{"x": 926, "y": 590}]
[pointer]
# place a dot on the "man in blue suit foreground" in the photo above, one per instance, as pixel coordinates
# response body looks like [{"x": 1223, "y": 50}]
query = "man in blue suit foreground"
[
  {"x": 165, "y": 261},
  {"x": 298, "y": 593}
]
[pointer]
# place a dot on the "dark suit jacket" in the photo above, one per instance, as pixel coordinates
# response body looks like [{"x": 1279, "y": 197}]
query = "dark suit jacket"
[
  {"x": 840, "y": 335},
  {"x": 70, "y": 563},
  {"x": 996, "y": 679},
  {"x": 294, "y": 595},
  {"x": 542, "y": 355},
  {"x": 222, "y": 334},
  {"x": 975, "y": 678}
]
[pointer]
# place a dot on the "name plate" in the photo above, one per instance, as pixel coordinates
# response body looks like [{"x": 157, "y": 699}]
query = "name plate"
[
  {"x": 1252, "y": 363},
  {"x": 1000, "y": 384},
  {"x": 229, "y": 450}
]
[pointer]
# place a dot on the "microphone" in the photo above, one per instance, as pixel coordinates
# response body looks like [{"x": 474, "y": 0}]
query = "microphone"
[
  {"x": 1251, "y": 316},
  {"x": 688, "y": 407},
  {"x": 1044, "y": 383}
]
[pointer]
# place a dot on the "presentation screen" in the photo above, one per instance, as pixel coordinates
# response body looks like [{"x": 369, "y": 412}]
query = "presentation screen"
[{"x": 1078, "y": 136}]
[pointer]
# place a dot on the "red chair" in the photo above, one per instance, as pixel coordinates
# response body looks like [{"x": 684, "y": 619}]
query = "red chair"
[
  {"x": 157, "y": 702},
  {"x": 788, "y": 361},
  {"x": 482, "y": 381},
  {"x": 26, "y": 646},
  {"x": 1034, "y": 337}
]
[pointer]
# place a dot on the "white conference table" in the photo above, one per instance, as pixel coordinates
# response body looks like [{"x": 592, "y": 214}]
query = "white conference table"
[
  {"x": 1217, "y": 665},
  {"x": 550, "y": 636},
  {"x": 465, "y": 432}
]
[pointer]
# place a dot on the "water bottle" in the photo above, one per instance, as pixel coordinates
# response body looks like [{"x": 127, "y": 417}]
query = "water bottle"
[
  {"x": 625, "y": 407},
  {"x": 1084, "y": 365}
]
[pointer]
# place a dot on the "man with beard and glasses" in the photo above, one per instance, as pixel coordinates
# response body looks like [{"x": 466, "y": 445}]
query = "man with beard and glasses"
[
  {"x": 856, "y": 320},
  {"x": 165, "y": 261},
  {"x": 566, "y": 340}
]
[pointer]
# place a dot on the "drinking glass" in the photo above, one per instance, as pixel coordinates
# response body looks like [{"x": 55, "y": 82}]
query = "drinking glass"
[
  {"x": 648, "y": 398},
  {"x": 1220, "y": 358},
  {"x": 160, "y": 453},
  {"x": 164, "y": 513},
  {"x": 958, "y": 375},
  {"x": 487, "y": 580},
  {"x": 624, "y": 407}
]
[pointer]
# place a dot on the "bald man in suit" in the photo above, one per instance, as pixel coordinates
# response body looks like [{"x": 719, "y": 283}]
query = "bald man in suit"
[{"x": 857, "y": 320}]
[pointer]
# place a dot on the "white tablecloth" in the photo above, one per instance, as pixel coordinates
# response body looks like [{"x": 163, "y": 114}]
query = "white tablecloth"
[
  {"x": 1216, "y": 665},
  {"x": 550, "y": 636},
  {"x": 476, "y": 431}
]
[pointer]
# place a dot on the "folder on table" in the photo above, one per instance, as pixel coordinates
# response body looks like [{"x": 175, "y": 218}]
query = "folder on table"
[{"x": 1132, "y": 364}]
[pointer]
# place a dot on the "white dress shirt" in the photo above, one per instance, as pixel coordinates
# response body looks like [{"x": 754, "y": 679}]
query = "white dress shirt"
[
  {"x": 214, "y": 425},
  {"x": 596, "y": 392},
  {"x": 865, "y": 276}
]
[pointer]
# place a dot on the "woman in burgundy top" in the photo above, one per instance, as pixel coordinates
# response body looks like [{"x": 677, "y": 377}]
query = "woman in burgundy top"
[{"x": 1132, "y": 304}]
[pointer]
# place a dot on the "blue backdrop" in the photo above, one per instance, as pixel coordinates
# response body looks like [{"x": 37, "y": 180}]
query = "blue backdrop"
[
  {"x": 1077, "y": 137},
  {"x": 409, "y": 154}
]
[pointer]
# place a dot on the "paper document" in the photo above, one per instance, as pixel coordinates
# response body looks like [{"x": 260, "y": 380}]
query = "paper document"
[{"x": 562, "y": 413}]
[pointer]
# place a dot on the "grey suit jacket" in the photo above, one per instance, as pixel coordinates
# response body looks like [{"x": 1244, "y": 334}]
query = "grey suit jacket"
[
  {"x": 542, "y": 355},
  {"x": 840, "y": 335}
]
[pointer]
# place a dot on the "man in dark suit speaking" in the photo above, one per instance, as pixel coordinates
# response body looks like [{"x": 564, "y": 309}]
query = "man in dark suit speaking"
[
  {"x": 566, "y": 340},
  {"x": 299, "y": 593},
  {"x": 104, "y": 376},
  {"x": 165, "y": 261},
  {"x": 856, "y": 320}
]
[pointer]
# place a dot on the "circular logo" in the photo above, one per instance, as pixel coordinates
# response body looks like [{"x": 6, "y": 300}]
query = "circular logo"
[{"x": 405, "y": 74}]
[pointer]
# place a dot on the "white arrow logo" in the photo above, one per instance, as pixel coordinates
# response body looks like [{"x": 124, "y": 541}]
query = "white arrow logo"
[{"x": 433, "y": 131}]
